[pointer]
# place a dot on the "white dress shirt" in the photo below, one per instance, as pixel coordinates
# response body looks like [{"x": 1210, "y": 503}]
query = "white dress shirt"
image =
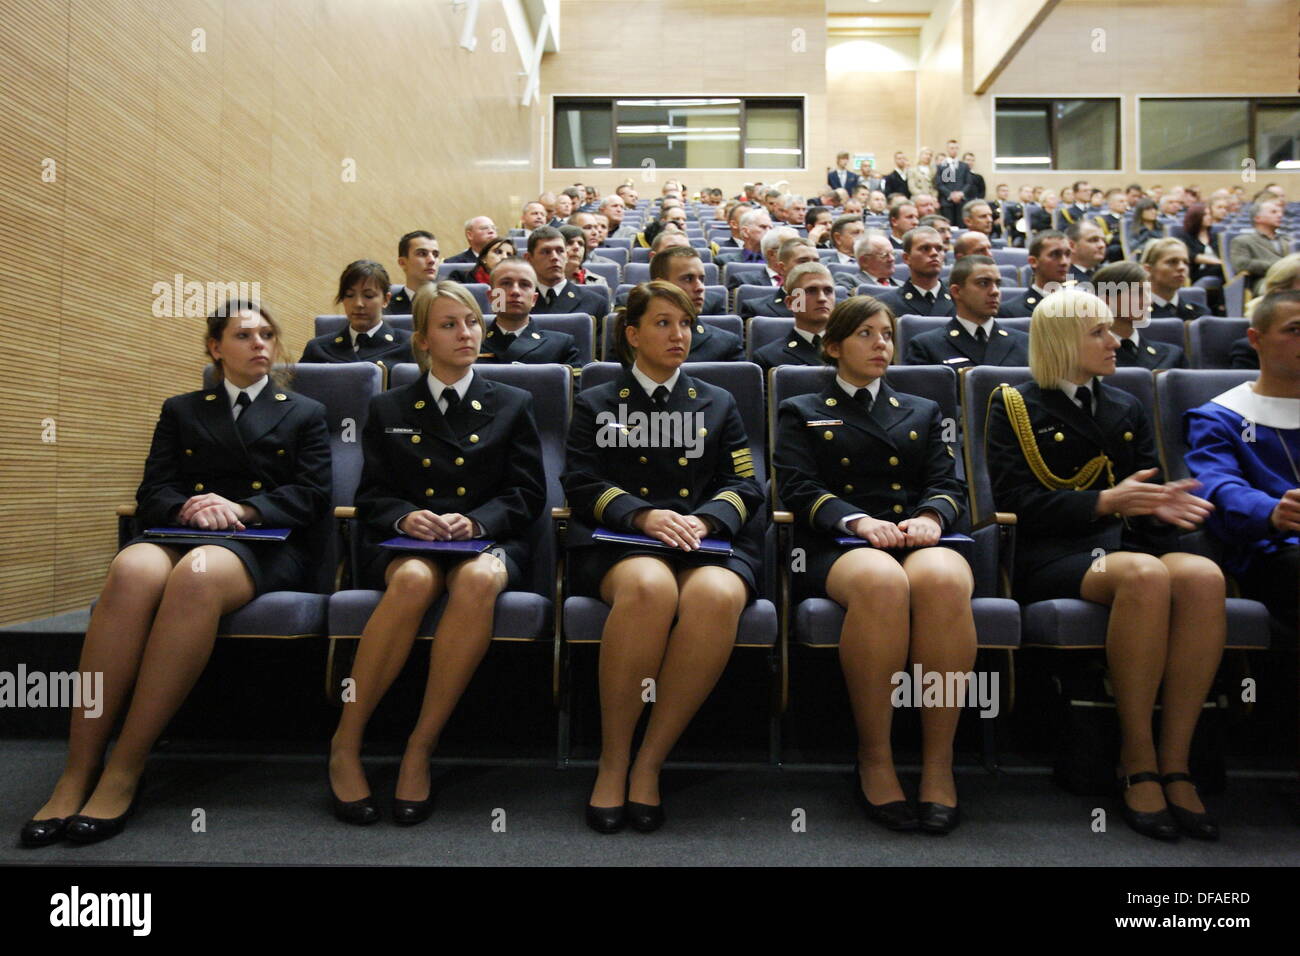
[{"x": 253, "y": 391}]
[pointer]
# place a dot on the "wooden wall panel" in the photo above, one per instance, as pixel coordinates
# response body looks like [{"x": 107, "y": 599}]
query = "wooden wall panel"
[{"x": 224, "y": 166}]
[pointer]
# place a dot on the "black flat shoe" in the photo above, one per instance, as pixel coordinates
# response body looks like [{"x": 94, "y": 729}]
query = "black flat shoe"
[
  {"x": 407, "y": 813},
  {"x": 44, "y": 832},
  {"x": 1199, "y": 825},
  {"x": 606, "y": 819},
  {"x": 938, "y": 818},
  {"x": 1159, "y": 825},
  {"x": 645, "y": 817},
  {"x": 84, "y": 829}
]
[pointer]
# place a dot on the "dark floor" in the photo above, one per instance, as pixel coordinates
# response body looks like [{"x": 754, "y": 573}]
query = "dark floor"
[{"x": 273, "y": 810}]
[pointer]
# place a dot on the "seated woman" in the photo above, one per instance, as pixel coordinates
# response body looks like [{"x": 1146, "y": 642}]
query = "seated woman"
[
  {"x": 1144, "y": 226},
  {"x": 1165, "y": 262},
  {"x": 450, "y": 457},
  {"x": 1057, "y": 448},
  {"x": 674, "y": 610},
  {"x": 1123, "y": 287},
  {"x": 363, "y": 293},
  {"x": 246, "y": 452},
  {"x": 488, "y": 257},
  {"x": 881, "y": 473},
  {"x": 575, "y": 247}
]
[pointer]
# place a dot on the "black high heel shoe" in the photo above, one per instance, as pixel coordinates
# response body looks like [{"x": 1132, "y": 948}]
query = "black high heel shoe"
[
  {"x": 1159, "y": 825},
  {"x": 896, "y": 815},
  {"x": 84, "y": 829},
  {"x": 938, "y": 817},
  {"x": 1199, "y": 825},
  {"x": 607, "y": 819},
  {"x": 360, "y": 813},
  {"x": 407, "y": 813},
  {"x": 44, "y": 832},
  {"x": 645, "y": 817}
]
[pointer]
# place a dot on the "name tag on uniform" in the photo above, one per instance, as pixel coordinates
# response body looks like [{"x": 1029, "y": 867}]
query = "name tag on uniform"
[
  {"x": 1045, "y": 429},
  {"x": 828, "y": 421},
  {"x": 403, "y": 431},
  {"x": 954, "y": 361}
]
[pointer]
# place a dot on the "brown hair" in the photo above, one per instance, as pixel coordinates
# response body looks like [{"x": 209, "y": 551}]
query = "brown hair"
[
  {"x": 638, "y": 303},
  {"x": 363, "y": 270},
  {"x": 847, "y": 316},
  {"x": 659, "y": 263},
  {"x": 216, "y": 328}
]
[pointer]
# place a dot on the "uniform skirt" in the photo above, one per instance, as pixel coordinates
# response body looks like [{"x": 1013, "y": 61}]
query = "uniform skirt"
[
  {"x": 1063, "y": 577},
  {"x": 820, "y": 557},
  {"x": 589, "y": 564},
  {"x": 375, "y": 561},
  {"x": 273, "y": 565}
]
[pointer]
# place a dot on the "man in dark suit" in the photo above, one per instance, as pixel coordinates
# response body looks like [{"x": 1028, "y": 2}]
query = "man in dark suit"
[
  {"x": 1111, "y": 222},
  {"x": 977, "y": 215},
  {"x": 547, "y": 254},
  {"x": 972, "y": 336},
  {"x": 1049, "y": 257},
  {"x": 810, "y": 297},
  {"x": 681, "y": 266},
  {"x": 418, "y": 256},
  {"x": 870, "y": 179},
  {"x": 754, "y": 225},
  {"x": 1253, "y": 252},
  {"x": 513, "y": 338},
  {"x": 922, "y": 293},
  {"x": 479, "y": 231},
  {"x": 1087, "y": 249},
  {"x": 953, "y": 182},
  {"x": 875, "y": 258},
  {"x": 896, "y": 182},
  {"x": 903, "y": 218},
  {"x": 845, "y": 231},
  {"x": 999, "y": 206},
  {"x": 1079, "y": 209},
  {"x": 841, "y": 177},
  {"x": 783, "y": 251},
  {"x": 977, "y": 188}
]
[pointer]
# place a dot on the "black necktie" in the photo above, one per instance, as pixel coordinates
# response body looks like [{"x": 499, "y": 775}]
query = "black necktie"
[
  {"x": 362, "y": 341},
  {"x": 816, "y": 343},
  {"x": 453, "y": 405},
  {"x": 981, "y": 336},
  {"x": 1129, "y": 347},
  {"x": 550, "y": 298},
  {"x": 929, "y": 297},
  {"x": 863, "y": 395},
  {"x": 1084, "y": 395},
  {"x": 242, "y": 401},
  {"x": 509, "y": 338},
  {"x": 660, "y": 396}
]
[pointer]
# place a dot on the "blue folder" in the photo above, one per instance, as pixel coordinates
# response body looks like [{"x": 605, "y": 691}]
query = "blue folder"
[
  {"x": 248, "y": 534},
  {"x": 470, "y": 545},
  {"x": 961, "y": 543},
  {"x": 707, "y": 545}
]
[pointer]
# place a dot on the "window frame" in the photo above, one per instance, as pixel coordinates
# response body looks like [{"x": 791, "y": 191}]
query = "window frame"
[
  {"x": 796, "y": 100},
  {"x": 1053, "y": 130},
  {"x": 1252, "y": 128}
]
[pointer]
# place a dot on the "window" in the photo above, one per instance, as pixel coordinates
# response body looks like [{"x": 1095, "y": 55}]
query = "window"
[
  {"x": 1065, "y": 134},
  {"x": 680, "y": 132},
  {"x": 1219, "y": 133}
]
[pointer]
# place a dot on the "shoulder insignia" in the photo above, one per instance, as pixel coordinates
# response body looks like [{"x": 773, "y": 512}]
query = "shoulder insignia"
[
  {"x": 623, "y": 393},
  {"x": 537, "y": 335},
  {"x": 209, "y": 398},
  {"x": 1002, "y": 332},
  {"x": 791, "y": 345},
  {"x": 419, "y": 404},
  {"x": 281, "y": 397},
  {"x": 388, "y": 337},
  {"x": 699, "y": 329},
  {"x": 954, "y": 333},
  {"x": 1151, "y": 349},
  {"x": 907, "y": 295},
  {"x": 690, "y": 392},
  {"x": 832, "y": 402},
  {"x": 338, "y": 338},
  {"x": 475, "y": 405},
  {"x": 893, "y": 401}
]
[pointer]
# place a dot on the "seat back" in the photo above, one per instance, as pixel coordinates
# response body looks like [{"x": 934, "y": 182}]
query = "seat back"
[
  {"x": 1171, "y": 331},
  {"x": 764, "y": 330},
  {"x": 910, "y": 326},
  {"x": 615, "y": 253},
  {"x": 1193, "y": 293},
  {"x": 609, "y": 271},
  {"x": 329, "y": 324},
  {"x": 745, "y": 273},
  {"x": 551, "y": 387},
  {"x": 1210, "y": 340},
  {"x": 1178, "y": 390}
]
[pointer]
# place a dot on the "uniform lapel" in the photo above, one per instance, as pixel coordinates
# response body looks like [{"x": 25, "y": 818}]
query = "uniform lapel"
[
  {"x": 999, "y": 346},
  {"x": 1074, "y": 416},
  {"x": 476, "y": 408},
  {"x": 381, "y": 339},
  {"x": 875, "y": 423},
  {"x": 265, "y": 413},
  {"x": 800, "y": 349},
  {"x": 528, "y": 340},
  {"x": 421, "y": 412},
  {"x": 1108, "y": 413},
  {"x": 216, "y": 417},
  {"x": 962, "y": 341}
]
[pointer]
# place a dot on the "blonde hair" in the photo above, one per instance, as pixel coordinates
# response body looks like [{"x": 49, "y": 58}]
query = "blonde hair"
[
  {"x": 804, "y": 269},
  {"x": 1054, "y": 331},
  {"x": 1281, "y": 275},
  {"x": 422, "y": 305},
  {"x": 1157, "y": 249}
]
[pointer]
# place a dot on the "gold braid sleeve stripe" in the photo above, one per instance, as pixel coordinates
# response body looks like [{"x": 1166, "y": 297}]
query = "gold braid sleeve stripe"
[
  {"x": 816, "y": 505},
  {"x": 733, "y": 499},
  {"x": 1083, "y": 478},
  {"x": 603, "y": 501},
  {"x": 955, "y": 508}
]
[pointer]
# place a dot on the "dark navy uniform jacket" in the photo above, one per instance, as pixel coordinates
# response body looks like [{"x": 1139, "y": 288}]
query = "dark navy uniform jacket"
[
  {"x": 399, "y": 303},
  {"x": 275, "y": 458},
  {"x": 486, "y": 464},
  {"x": 833, "y": 458},
  {"x": 574, "y": 298},
  {"x": 607, "y": 482},
  {"x": 1185, "y": 310},
  {"x": 1055, "y": 523},
  {"x": 387, "y": 346},
  {"x": 531, "y": 346},
  {"x": 953, "y": 345},
  {"x": 1149, "y": 354},
  {"x": 909, "y": 300},
  {"x": 792, "y": 350}
]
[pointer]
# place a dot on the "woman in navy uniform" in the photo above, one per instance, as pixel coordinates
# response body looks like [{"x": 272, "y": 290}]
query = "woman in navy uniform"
[
  {"x": 678, "y": 496},
  {"x": 1073, "y": 458},
  {"x": 1123, "y": 286},
  {"x": 1165, "y": 261},
  {"x": 449, "y": 457},
  {"x": 363, "y": 293},
  {"x": 247, "y": 452},
  {"x": 862, "y": 460}
]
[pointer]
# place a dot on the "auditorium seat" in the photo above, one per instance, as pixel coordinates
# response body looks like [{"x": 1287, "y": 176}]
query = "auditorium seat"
[
  {"x": 1210, "y": 339},
  {"x": 618, "y": 254},
  {"x": 609, "y": 271},
  {"x": 521, "y": 616},
  {"x": 763, "y": 330}
]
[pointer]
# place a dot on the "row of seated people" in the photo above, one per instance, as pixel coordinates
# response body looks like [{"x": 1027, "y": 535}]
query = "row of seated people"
[
  {"x": 972, "y": 301},
  {"x": 454, "y": 456}
]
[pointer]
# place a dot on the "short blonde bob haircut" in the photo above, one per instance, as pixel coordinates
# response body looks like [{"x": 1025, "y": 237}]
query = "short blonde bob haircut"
[
  {"x": 1281, "y": 275},
  {"x": 1058, "y": 321},
  {"x": 1157, "y": 249},
  {"x": 422, "y": 305}
]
